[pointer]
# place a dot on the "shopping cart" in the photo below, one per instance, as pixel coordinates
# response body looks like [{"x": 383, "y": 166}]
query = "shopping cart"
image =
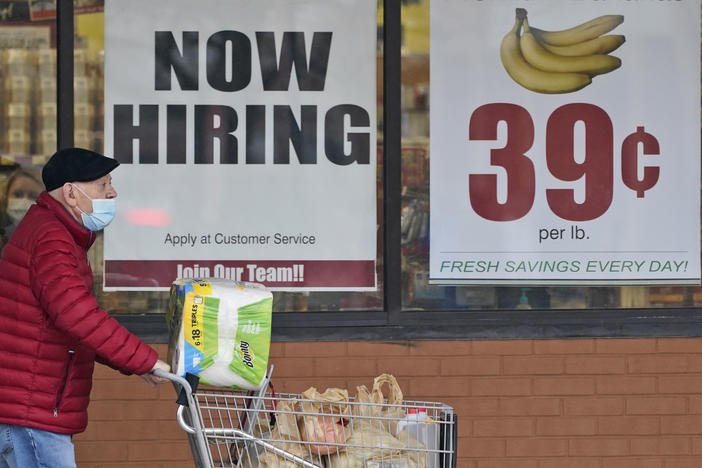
[{"x": 262, "y": 429}]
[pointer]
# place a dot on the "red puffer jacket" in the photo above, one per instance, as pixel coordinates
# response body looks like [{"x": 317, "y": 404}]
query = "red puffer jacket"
[{"x": 51, "y": 327}]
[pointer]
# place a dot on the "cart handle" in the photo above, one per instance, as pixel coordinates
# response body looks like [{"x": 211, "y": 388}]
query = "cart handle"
[
  {"x": 188, "y": 389},
  {"x": 173, "y": 378}
]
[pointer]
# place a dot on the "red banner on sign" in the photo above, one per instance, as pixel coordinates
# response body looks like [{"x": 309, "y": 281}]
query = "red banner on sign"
[{"x": 274, "y": 274}]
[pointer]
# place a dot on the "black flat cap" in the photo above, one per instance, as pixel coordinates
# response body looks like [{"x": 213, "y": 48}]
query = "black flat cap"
[{"x": 75, "y": 165}]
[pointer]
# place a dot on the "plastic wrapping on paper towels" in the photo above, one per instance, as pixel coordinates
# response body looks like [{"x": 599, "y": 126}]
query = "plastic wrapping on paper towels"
[{"x": 220, "y": 330}]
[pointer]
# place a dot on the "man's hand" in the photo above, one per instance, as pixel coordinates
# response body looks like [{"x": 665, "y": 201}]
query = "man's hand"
[{"x": 151, "y": 378}]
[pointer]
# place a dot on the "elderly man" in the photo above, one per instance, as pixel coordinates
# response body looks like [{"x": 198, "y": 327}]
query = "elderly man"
[{"x": 51, "y": 326}]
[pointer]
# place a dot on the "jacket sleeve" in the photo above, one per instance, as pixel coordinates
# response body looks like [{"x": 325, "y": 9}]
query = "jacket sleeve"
[
  {"x": 70, "y": 304},
  {"x": 100, "y": 360}
]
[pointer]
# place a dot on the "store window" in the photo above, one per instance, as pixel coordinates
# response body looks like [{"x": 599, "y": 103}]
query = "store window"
[
  {"x": 417, "y": 292},
  {"x": 404, "y": 296},
  {"x": 89, "y": 59}
]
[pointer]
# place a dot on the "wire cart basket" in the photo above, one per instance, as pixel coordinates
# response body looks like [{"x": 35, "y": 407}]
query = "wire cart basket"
[{"x": 236, "y": 428}]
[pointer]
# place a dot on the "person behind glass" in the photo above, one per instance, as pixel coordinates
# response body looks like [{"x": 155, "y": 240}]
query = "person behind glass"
[
  {"x": 52, "y": 329},
  {"x": 21, "y": 189}
]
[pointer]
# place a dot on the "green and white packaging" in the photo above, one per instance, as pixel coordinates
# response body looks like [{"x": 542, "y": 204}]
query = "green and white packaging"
[{"x": 220, "y": 330}]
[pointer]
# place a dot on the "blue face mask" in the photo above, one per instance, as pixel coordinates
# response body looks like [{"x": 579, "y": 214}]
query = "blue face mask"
[{"x": 102, "y": 215}]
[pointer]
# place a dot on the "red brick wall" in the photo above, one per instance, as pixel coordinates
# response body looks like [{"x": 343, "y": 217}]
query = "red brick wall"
[{"x": 586, "y": 403}]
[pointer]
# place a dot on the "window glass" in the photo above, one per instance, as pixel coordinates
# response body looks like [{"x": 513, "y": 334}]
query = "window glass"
[
  {"x": 89, "y": 124},
  {"x": 417, "y": 293}
]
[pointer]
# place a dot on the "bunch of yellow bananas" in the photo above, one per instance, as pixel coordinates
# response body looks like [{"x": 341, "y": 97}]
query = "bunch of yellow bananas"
[{"x": 564, "y": 61}]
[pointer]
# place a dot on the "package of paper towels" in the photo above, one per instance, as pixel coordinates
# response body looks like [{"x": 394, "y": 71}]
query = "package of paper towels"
[{"x": 220, "y": 330}]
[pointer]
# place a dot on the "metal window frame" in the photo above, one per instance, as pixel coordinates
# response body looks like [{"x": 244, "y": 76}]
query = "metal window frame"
[{"x": 394, "y": 323}]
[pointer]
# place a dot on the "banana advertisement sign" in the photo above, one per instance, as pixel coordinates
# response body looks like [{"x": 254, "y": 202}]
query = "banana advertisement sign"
[
  {"x": 557, "y": 62},
  {"x": 565, "y": 142}
]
